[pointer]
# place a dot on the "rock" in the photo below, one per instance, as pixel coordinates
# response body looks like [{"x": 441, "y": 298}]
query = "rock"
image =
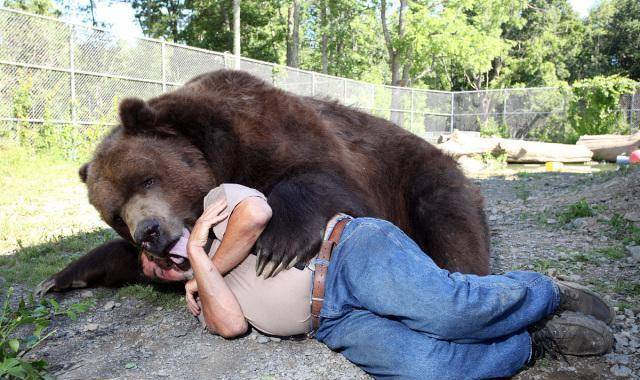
[
  {"x": 551, "y": 221},
  {"x": 159, "y": 308},
  {"x": 621, "y": 340},
  {"x": 109, "y": 305},
  {"x": 86, "y": 294},
  {"x": 632, "y": 216},
  {"x": 117, "y": 304},
  {"x": 617, "y": 359},
  {"x": 90, "y": 327},
  {"x": 552, "y": 272},
  {"x": 262, "y": 339},
  {"x": 274, "y": 339},
  {"x": 621, "y": 371},
  {"x": 574, "y": 277},
  {"x": 634, "y": 251},
  {"x": 629, "y": 313}
]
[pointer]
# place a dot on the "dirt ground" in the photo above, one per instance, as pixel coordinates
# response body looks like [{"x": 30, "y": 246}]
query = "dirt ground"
[{"x": 125, "y": 337}]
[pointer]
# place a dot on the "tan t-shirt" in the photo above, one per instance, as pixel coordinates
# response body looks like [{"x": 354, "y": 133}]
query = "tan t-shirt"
[{"x": 280, "y": 305}]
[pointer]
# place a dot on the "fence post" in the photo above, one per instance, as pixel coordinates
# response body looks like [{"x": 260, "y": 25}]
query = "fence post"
[
  {"x": 72, "y": 68},
  {"x": 163, "y": 65},
  {"x": 344, "y": 91},
  {"x": 452, "y": 112},
  {"x": 411, "y": 118},
  {"x": 313, "y": 84}
]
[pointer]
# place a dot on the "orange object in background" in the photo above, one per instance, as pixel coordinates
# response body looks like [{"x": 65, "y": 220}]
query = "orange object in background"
[{"x": 634, "y": 158}]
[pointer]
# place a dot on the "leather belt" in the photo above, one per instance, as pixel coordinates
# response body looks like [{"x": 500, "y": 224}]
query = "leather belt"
[{"x": 321, "y": 267}]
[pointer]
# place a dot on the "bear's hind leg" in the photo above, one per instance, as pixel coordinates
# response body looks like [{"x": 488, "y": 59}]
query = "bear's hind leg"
[{"x": 448, "y": 220}]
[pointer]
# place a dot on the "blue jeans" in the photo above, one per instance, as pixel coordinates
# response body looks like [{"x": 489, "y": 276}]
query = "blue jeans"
[{"x": 392, "y": 311}]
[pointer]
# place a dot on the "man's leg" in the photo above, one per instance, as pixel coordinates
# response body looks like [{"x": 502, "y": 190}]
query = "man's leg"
[
  {"x": 386, "y": 348},
  {"x": 378, "y": 268}
]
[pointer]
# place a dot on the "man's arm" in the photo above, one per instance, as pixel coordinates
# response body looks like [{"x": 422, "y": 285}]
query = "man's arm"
[
  {"x": 221, "y": 310},
  {"x": 247, "y": 221}
]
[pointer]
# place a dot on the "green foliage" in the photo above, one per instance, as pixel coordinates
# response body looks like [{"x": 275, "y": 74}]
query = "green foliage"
[
  {"x": 495, "y": 161},
  {"x": 24, "y": 327},
  {"x": 580, "y": 209},
  {"x": 594, "y": 107},
  {"x": 491, "y": 128},
  {"x": 624, "y": 230}
]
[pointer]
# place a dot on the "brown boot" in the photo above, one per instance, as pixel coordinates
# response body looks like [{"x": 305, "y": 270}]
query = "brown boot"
[
  {"x": 570, "y": 334},
  {"x": 574, "y": 297}
]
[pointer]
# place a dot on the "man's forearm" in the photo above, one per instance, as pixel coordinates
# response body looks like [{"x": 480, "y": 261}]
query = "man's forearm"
[
  {"x": 220, "y": 307},
  {"x": 246, "y": 223}
]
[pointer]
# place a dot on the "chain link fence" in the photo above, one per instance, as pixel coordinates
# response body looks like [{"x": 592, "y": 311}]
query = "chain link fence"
[{"x": 64, "y": 73}]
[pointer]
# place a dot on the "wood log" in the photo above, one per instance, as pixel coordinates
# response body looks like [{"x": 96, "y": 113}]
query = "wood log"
[
  {"x": 521, "y": 151},
  {"x": 608, "y": 147},
  {"x": 463, "y": 144},
  {"x": 518, "y": 151}
]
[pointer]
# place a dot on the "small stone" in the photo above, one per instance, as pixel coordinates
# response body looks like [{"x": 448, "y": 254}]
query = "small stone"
[
  {"x": 632, "y": 216},
  {"x": 262, "y": 339},
  {"x": 634, "y": 251},
  {"x": 621, "y": 371},
  {"x": 178, "y": 334},
  {"x": 274, "y": 339},
  {"x": 574, "y": 277},
  {"x": 90, "y": 327},
  {"x": 109, "y": 305},
  {"x": 130, "y": 365},
  {"x": 117, "y": 304},
  {"x": 162, "y": 374},
  {"x": 551, "y": 221},
  {"x": 621, "y": 340},
  {"x": 629, "y": 313},
  {"x": 159, "y": 308},
  {"x": 552, "y": 272},
  {"x": 86, "y": 294}
]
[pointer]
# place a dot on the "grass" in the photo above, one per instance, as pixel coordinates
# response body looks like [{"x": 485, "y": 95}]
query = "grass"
[
  {"x": 623, "y": 230},
  {"x": 580, "y": 209},
  {"x": 47, "y": 222},
  {"x": 160, "y": 295}
]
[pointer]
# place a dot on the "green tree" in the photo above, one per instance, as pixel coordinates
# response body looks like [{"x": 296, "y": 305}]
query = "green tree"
[
  {"x": 546, "y": 48},
  {"x": 41, "y": 7},
  {"x": 625, "y": 38}
]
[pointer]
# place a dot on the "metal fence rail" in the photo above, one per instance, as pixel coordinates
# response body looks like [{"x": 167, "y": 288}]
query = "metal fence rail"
[{"x": 59, "y": 72}]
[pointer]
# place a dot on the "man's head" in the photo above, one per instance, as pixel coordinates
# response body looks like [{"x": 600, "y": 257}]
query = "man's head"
[{"x": 147, "y": 186}]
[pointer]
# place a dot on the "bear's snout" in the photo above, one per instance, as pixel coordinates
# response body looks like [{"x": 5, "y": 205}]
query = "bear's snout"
[{"x": 150, "y": 236}]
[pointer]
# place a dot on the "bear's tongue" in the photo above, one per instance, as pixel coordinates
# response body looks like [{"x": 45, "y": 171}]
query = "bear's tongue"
[{"x": 178, "y": 253}]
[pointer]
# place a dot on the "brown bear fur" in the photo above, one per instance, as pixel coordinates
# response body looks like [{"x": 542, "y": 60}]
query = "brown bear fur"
[{"x": 311, "y": 157}]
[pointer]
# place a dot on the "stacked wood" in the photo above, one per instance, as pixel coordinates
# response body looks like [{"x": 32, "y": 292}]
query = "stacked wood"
[
  {"x": 518, "y": 151},
  {"x": 608, "y": 147}
]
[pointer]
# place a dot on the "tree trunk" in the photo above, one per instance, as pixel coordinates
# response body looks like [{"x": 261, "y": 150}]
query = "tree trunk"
[
  {"x": 394, "y": 60},
  {"x": 293, "y": 34},
  {"x": 324, "y": 22},
  {"x": 236, "y": 34}
]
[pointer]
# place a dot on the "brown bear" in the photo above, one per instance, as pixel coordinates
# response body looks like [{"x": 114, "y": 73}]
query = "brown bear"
[{"x": 311, "y": 157}]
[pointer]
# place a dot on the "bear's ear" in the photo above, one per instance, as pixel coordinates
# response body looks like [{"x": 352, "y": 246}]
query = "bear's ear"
[
  {"x": 136, "y": 115},
  {"x": 83, "y": 172}
]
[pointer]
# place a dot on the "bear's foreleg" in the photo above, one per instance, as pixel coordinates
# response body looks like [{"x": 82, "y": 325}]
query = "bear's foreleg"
[
  {"x": 111, "y": 264},
  {"x": 301, "y": 207}
]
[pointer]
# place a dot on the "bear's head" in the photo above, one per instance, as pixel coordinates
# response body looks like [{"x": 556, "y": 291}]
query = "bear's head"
[{"x": 146, "y": 181}]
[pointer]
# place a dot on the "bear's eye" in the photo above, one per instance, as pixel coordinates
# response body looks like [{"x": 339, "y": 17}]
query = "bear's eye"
[
  {"x": 147, "y": 183},
  {"x": 118, "y": 220}
]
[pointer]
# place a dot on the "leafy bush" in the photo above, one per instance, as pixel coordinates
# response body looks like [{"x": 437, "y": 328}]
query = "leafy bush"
[
  {"x": 594, "y": 106},
  {"x": 491, "y": 128},
  {"x": 23, "y": 328}
]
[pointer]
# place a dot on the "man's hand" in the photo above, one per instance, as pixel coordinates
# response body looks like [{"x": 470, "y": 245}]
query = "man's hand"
[
  {"x": 191, "y": 289},
  {"x": 211, "y": 216}
]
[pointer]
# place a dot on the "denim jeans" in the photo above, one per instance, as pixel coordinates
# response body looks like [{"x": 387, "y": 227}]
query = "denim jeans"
[{"x": 392, "y": 311}]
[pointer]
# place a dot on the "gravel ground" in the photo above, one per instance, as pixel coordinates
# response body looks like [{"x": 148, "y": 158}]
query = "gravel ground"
[{"x": 129, "y": 338}]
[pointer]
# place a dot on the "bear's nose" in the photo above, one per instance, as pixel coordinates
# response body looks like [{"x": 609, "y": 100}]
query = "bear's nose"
[{"x": 148, "y": 232}]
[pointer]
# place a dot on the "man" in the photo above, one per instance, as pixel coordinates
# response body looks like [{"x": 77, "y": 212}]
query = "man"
[{"x": 386, "y": 306}]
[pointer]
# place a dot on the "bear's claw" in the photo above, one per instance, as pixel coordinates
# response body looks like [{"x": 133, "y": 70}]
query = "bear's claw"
[{"x": 44, "y": 287}]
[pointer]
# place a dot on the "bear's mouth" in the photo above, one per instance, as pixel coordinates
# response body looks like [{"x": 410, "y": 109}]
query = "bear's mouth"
[{"x": 178, "y": 251}]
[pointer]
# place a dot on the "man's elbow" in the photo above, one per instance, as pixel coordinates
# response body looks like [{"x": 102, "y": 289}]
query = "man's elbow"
[
  {"x": 228, "y": 330},
  {"x": 260, "y": 214}
]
